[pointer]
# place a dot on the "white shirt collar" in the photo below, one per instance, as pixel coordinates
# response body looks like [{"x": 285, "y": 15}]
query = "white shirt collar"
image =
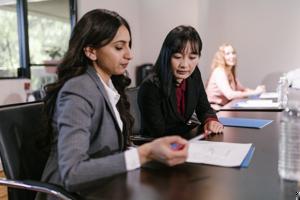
[
  {"x": 113, "y": 97},
  {"x": 111, "y": 91}
]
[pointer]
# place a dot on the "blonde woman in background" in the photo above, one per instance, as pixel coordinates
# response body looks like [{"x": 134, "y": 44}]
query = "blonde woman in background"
[{"x": 223, "y": 86}]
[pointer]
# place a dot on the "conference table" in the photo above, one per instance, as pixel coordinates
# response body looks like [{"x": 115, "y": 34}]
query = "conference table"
[{"x": 260, "y": 181}]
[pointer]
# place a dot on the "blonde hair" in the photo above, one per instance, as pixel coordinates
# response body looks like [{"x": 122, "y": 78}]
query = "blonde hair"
[{"x": 219, "y": 59}]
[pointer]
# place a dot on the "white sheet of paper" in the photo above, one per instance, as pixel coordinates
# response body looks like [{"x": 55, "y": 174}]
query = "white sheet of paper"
[
  {"x": 258, "y": 103},
  {"x": 217, "y": 153},
  {"x": 199, "y": 137},
  {"x": 269, "y": 95}
]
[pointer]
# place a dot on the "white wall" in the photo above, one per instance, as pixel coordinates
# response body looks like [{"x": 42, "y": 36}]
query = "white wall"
[
  {"x": 265, "y": 33},
  {"x": 150, "y": 22},
  {"x": 158, "y": 17},
  {"x": 129, "y": 9}
]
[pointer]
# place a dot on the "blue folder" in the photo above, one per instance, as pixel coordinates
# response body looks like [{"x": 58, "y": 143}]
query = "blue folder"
[
  {"x": 248, "y": 157},
  {"x": 244, "y": 122}
]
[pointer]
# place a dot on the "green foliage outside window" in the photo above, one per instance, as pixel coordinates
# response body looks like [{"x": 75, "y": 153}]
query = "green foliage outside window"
[
  {"x": 9, "y": 44},
  {"x": 48, "y": 39}
]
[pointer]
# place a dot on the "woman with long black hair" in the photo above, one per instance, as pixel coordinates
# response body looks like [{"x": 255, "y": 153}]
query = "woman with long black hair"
[{"x": 169, "y": 97}]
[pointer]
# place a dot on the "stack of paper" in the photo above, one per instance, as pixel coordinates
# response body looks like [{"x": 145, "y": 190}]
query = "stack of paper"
[
  {"x": 256, "y": 103},
  {"x": 269, "y": 95},
  {"x": 220, "y": 153}
]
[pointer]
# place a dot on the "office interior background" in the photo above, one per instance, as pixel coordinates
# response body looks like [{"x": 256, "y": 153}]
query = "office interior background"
[{"x": 264, "y": 33}]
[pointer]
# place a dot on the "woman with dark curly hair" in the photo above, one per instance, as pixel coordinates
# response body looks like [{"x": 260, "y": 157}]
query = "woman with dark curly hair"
[{"x": 89, "y": 112}]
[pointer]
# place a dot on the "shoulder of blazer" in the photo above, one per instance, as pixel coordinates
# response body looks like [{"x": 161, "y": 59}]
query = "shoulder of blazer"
[
  {"x": 91, "y": 72},
  {"x": 83, "y": 85},
  {"x": 153, "y": 79},
  {"x": 151, "y": 85},
  {"x": 87, "y": 85},
  {"x": 196, "y": 75}
]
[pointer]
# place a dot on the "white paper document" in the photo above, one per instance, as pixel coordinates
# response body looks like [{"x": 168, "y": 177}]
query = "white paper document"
[
  {"x": 217, "y": 153},
  {"x": 257, "y": 103},
  {"x": 269, "y": 95}
]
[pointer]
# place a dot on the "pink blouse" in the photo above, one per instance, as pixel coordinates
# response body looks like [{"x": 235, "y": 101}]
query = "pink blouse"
[{"x": 221, "y": 88}]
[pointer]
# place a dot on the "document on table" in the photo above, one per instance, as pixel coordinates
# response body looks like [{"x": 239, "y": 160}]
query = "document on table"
[
  {"x": 254, "y": 103},
  {"x": 217, "y": 153},
  {"x": 269, "y": 95}
]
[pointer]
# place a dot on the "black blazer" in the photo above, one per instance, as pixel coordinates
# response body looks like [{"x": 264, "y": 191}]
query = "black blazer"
[{"x": 159, "y": 115}]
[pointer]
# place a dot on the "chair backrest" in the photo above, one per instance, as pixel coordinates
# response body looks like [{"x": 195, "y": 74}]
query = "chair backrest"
[
  {"x": 142, "y": 72},
  {"x": 134, "y": 109},
  {"x": 22, "y": 134}
]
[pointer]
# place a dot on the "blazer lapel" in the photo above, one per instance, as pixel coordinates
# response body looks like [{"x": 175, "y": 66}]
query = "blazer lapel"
[{"x": 93, "y": 74}]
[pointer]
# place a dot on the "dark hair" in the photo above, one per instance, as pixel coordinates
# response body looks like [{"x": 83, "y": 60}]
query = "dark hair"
[
  {"x": 175, "y": 42},
  {"x": 95, "y": 29}
]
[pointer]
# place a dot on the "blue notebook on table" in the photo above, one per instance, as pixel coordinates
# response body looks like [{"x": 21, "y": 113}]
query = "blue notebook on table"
[{"x": 244, "y": 122}]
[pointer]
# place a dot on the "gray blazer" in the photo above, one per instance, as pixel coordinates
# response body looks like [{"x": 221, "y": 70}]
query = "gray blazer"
[{"x": 87, "y": 139}]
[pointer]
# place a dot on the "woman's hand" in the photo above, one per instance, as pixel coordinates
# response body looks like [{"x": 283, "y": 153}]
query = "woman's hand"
[
  {"x": 171, "y": 150},
  {"x": 213, "y": 127},
  {"x": 260, "y": 89}
]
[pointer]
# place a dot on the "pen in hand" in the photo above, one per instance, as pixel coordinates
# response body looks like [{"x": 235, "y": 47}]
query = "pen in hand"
[{"x": 176, "y": 146}]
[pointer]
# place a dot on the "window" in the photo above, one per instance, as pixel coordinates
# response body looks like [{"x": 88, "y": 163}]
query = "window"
[
  {"x": 49, "y": 31},
  {"x": 9, "y": 44},
  {"x": 36, "y": 34}
]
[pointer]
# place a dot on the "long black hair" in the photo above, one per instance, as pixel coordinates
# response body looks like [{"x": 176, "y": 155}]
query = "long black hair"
[
  {"x": 95, "y": 29},
  {"x": 175, "y": 42}
]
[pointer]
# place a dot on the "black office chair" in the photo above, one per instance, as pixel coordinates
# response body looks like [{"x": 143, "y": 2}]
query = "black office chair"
[
  {"x": 136, "y": 137},
  {"x": 21, "y": 149},
  {"x": 142, "y": 71}
]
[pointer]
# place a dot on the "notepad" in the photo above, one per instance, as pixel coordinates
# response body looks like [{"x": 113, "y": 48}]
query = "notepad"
[
  {"x": 219, "y": 153},
  {"x": 244, "y": 122}
]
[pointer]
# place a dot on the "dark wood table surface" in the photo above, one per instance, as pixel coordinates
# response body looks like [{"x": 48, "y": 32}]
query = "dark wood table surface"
[{"x": 260, "y": 181}]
